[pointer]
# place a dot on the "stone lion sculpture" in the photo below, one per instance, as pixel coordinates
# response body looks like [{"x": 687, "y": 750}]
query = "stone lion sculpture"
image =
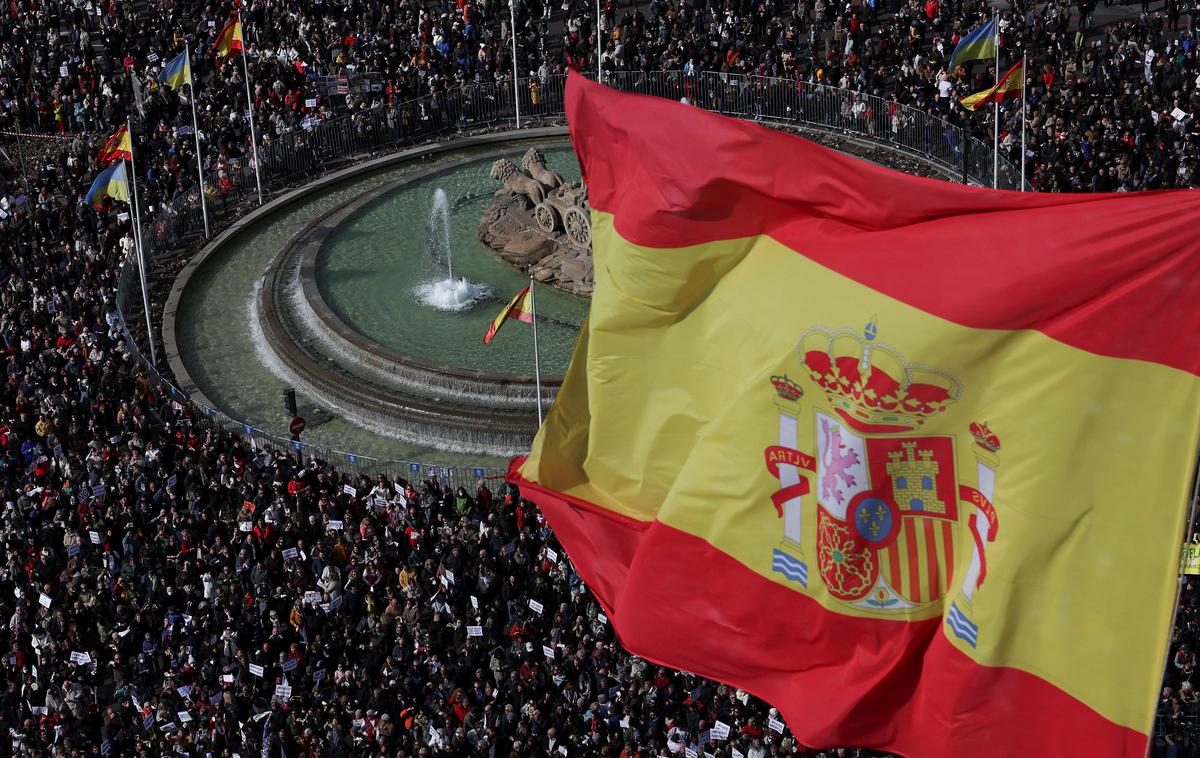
[
  {"x": 515, "y": 182},
  {"x": 535, "y": 165}
]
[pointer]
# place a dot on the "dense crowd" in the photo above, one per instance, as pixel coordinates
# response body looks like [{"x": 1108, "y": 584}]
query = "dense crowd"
[{"x": 168, "y": 588}]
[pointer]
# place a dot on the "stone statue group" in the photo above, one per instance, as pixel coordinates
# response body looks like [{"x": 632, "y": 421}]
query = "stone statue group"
[{"x": 557, "y": 206}]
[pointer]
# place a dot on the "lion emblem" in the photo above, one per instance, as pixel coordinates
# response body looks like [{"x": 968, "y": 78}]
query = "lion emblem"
[
  {"x": 514, "y": 181},
  {"x": 535, "y": 165}
]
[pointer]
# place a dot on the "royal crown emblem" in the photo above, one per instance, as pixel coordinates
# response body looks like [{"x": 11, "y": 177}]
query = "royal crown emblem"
[
  {"x": 787, "y": 389},
  {"x": 871, "y": 386},
  {"x": 884, "y": 507}
]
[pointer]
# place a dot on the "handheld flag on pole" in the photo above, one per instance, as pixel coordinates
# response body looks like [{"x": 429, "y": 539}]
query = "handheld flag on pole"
[
  {"x": 177, "y": 72},
  {"x": 229, "y": 41},
  {"x": 1009, "y": 87},
  {"x": 976, "y": 46},
  {"x": 111, "y": 182},
  {"x": 875, "y": 496},
  {"x": 518, "y": 308},
  {"x": 118, "y": 147}
]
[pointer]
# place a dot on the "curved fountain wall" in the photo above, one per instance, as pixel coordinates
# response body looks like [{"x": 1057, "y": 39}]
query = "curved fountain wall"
[{"x": 383, "y": 390}]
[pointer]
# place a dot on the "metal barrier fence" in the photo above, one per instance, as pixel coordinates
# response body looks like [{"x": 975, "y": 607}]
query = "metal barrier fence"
[{"x": 296, "y": 157}]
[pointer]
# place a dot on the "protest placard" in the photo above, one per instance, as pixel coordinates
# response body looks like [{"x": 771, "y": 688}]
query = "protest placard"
[
  {"x": 536, "y": 606},
  {"x": 474, "y": 631}
]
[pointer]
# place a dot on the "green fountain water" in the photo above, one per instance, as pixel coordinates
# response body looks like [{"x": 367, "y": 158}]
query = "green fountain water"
[
  {"x": 369, "y": 275},
  {"x": 379, "y": 273}
]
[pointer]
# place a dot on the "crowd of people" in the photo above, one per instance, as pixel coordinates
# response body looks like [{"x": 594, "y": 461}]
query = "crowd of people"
[{"x": 167, "y": 588}]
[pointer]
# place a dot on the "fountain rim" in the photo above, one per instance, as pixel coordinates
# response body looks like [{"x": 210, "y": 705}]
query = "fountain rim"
[
  {"x": 219, "y": 245},
  {"x": 314, "y": 236}
]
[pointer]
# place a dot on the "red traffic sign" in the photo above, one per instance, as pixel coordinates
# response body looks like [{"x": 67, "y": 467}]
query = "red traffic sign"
[{"x": 297, "y": 425}]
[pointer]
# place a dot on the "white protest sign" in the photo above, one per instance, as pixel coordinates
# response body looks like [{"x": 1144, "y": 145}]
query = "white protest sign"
[
  {"x": 602, "y": 618},
  {"x": 43, "y": 600},
  {"x": 94, "y": 537},
  {"x": 256, "y": 670},
  {"x": 735, "y": 753},
  {"x": 227, "y": 678},
  {"x": 448, "y": 575},
  {"x": 184, "y": 716},
  {"x": 290, "y": 554},
  {"x": 312, "y": 598},
  {"x": 245, "y": 526},
  {"x": 548, "y": 651},
  {"x": 80, "y": 658},
  {"x": 536, "y": 606},
  {"x": 474, "y": 602},
  {"x": 346, "y": 488},
  {"x": 283, "y": 691},
  {"x": 310, "y": 102},
  {"x": 333, "y": 525},
  {"x": 775, "y": 725},
  {"x": 719, "y": 731},
  {"x": 552, "y": 555},
  {"x": 474, "y": 631}
]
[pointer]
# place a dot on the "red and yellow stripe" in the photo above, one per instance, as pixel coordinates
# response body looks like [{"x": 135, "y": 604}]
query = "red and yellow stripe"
[
  {"x": 1075, "y": 334},
  {"x": 229, "y": 41},
  {"x": 1010, "y": 87},
  {"x": 519, "y": 308},
  {"x": 117, "y": 147}
]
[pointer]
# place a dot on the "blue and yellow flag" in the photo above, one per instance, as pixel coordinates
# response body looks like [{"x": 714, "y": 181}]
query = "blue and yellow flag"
[
  {"x": 111, "y": 182},
  {"x": 176, "y": 73},
  {"x": 978, "y": 45}
]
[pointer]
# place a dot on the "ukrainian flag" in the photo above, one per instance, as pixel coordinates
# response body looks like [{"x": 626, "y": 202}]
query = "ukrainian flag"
[
  {"x": 176, "y": 73},
  {"x": 976, "y": 46},
  {"x": 111, "y": 182}
]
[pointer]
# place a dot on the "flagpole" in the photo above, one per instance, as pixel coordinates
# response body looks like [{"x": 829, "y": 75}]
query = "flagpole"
[
  {"x": 996, "y": 110},
  {"x": 137, "y": 239},
  {"x": 187, "y": 51},
  {"x": 250, "y": 106},
  {"x": 1024, "y": 101},
  {"x": 537, "y": 365},
  {"x": 512, "y": 16},
  {"x": 599, "y": 49}
]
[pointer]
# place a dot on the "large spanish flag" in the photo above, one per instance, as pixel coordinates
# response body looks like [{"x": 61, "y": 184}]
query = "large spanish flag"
[{"x": 908, "y": 460}]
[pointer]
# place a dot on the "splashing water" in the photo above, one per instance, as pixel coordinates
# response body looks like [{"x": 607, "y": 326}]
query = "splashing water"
[
  {"x": 448, "y": 294},
  {"x": 451, "y": 294}
]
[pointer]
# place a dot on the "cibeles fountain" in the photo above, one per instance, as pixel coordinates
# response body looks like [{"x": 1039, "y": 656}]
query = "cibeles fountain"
[{"x": 432, "y": 383}]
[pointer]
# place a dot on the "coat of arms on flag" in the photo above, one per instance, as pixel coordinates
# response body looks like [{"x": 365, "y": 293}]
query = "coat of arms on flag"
[{"x": 881, "y": 504}]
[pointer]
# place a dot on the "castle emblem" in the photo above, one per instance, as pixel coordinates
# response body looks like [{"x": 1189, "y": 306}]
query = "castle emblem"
[{"x": 887, "y": 506}]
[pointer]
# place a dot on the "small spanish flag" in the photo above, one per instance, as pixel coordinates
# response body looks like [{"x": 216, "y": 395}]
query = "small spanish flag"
[
  {"x": 229, "y": 41},
  {"x": 118, "y": 147},
  {"x": 176, "y": 73},
  {"x": 111, "y": 182},
  {"x": 1010, "y": 87},
  {"x": 519, "y": 308}
]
